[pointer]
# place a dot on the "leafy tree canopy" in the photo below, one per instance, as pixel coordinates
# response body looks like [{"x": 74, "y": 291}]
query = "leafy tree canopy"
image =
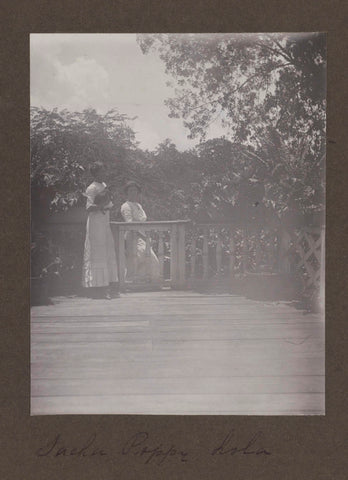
[
  {"x": 268, "y": 91},
  {"x": 64, "y": 144}
]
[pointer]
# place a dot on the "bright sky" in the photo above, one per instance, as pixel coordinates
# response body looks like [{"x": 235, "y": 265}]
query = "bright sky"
[{"x": 106, "y": 71}]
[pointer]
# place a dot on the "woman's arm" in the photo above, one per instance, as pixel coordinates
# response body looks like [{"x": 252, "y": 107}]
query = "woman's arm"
[
  {"x": 126, "y": 213},
  {"x": 90, "y": 195},
  {"x": 93, "y": 208},
  {"x": 109, "y": 206}
]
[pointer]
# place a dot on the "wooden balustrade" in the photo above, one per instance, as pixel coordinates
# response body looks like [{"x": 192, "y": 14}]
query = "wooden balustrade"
[
  {"x": 188, "y": 252},
  {"x": 152, "y": 237},
  {"x": 225, "y": 250}
]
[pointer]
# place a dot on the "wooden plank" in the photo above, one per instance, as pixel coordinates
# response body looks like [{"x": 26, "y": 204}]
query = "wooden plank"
[
  {"x": 206, "y": 319},
  {"x": 245, "y": 367},
  {"x": 122, "y": 366},
  {"x": 71, "y": 356},
  {"x": 164, "y": 299},
  {"x": 159, "y": 295},
  {"x": 120, "y": 337},
  {"x": 114, "y": 308},
  {"x": 180, "y": 320},
  {"x": 190, "y": 349},
  {"x": 290, "y": 331},
  {"x": 175, "y": 386},
  {"x": 177, "y": 404},
  {"x": 281, "y": 331},
  {"x": 192, "y": 330}
]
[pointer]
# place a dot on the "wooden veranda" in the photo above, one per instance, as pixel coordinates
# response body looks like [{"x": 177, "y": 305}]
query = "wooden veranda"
[{"x": 179, "y": 349}]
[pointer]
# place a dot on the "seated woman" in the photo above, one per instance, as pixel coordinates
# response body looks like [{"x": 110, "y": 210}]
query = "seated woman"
[
  {"x": 132, "y": 211},
  {"x": 99, "y": 266}
]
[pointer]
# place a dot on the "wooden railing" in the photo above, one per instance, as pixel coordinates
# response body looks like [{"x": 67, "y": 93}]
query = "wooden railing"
[
  {"x": 166, "y": 238},
  {"x": 190, "y": 252},
  {"x": 231, "y": 249},
  {"x": 217, "y": 250}
]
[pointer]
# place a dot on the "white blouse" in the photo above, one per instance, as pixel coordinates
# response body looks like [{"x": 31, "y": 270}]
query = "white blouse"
[
  {"x": 133, "y": 212},
  {"x": 92, "y": 191}
]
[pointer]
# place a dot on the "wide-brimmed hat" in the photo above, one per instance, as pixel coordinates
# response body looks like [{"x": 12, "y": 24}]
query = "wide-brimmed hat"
[{"x": 130, "y": 184}]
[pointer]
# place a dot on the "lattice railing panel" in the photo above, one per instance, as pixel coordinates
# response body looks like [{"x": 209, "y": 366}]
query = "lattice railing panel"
[{"x": 308, "y": 245}]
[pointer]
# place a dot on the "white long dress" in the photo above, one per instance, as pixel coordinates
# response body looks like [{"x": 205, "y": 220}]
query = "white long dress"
[
  {"x": 99, "y": 266},
  {"x": 133, "y": 212}
]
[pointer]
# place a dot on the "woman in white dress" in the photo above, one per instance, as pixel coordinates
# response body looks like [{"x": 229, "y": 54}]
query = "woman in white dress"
[
  {"x": 99, "y": 266},
  {"x": 132, "y": 211}
]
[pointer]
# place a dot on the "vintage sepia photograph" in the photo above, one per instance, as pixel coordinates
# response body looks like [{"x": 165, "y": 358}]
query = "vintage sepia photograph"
[{"x": 178, "y": 223}]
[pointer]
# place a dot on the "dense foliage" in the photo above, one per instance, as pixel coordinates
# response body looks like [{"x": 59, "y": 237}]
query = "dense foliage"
[{"x": 268, "y": 91}]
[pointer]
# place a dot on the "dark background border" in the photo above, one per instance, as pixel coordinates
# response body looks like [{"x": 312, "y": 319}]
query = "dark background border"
[{"x": 302, "y": 447}]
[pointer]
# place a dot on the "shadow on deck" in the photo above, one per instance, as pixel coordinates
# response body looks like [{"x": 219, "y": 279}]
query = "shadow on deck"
[{"x": 171, "y": 352}]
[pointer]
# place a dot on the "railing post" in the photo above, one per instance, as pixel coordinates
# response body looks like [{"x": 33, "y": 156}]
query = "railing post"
[
  {"x": 121, "y": 257},
  {"x": 161, "y": 256},
  {"x": 131, "y": 254},
  {"x": 147, "y": 257},
  {"x": 257, "y": 250},
  {"x": 115, "y": 234},
  {"x": 244, "y": 250},
  {"x": 181, "y": 257},
  {"x": 205, "y": 252},
  {"x": 232, "y": 249},
  {"x": 283, "y": 252},
  {"x": 193, "y": 256},
  {"x": 174, "y": 256},
  {"x": 218, "y": 255}
]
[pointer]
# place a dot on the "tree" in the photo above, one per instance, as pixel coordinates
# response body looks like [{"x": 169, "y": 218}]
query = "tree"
[
  {"x": 268, "y": 91},
  {"x": 63, "y": 146}
]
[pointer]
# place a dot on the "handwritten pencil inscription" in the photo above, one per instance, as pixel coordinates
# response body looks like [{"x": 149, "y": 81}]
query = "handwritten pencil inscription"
[
  {"x": 138, "y": 445},
  {"x": 141, "y": 446},
  {"x": 58, "y": 448},
  {"x": 228, "y": 447}
]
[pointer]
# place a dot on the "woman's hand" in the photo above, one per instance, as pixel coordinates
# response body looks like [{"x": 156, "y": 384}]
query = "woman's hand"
[
  {"x": 96, "y": 208},
  {"x": 93, "y": 208}
]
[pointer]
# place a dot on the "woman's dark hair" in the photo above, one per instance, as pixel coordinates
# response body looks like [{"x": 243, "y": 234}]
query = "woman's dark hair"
[
  {"x": 132, "y": 184},
  {"x": 95, "y": 168}
]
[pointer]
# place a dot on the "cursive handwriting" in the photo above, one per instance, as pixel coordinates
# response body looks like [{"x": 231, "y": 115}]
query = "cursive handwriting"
[
  {"x": 227, "y": 448},
  {"x": 57, "y": 448},
  {"x": 138, "y": 445},
  {"x": 141, "y": 446}
]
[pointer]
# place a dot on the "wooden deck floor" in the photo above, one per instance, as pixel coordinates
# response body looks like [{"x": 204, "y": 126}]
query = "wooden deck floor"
[{"x": 176, "y": 353}]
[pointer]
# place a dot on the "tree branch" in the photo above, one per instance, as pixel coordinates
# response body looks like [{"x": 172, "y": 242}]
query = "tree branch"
[
  {"x": 253, "y": 155},
  {"x": 244, "y": 83},
  {"x": 277, "y": 52}
]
